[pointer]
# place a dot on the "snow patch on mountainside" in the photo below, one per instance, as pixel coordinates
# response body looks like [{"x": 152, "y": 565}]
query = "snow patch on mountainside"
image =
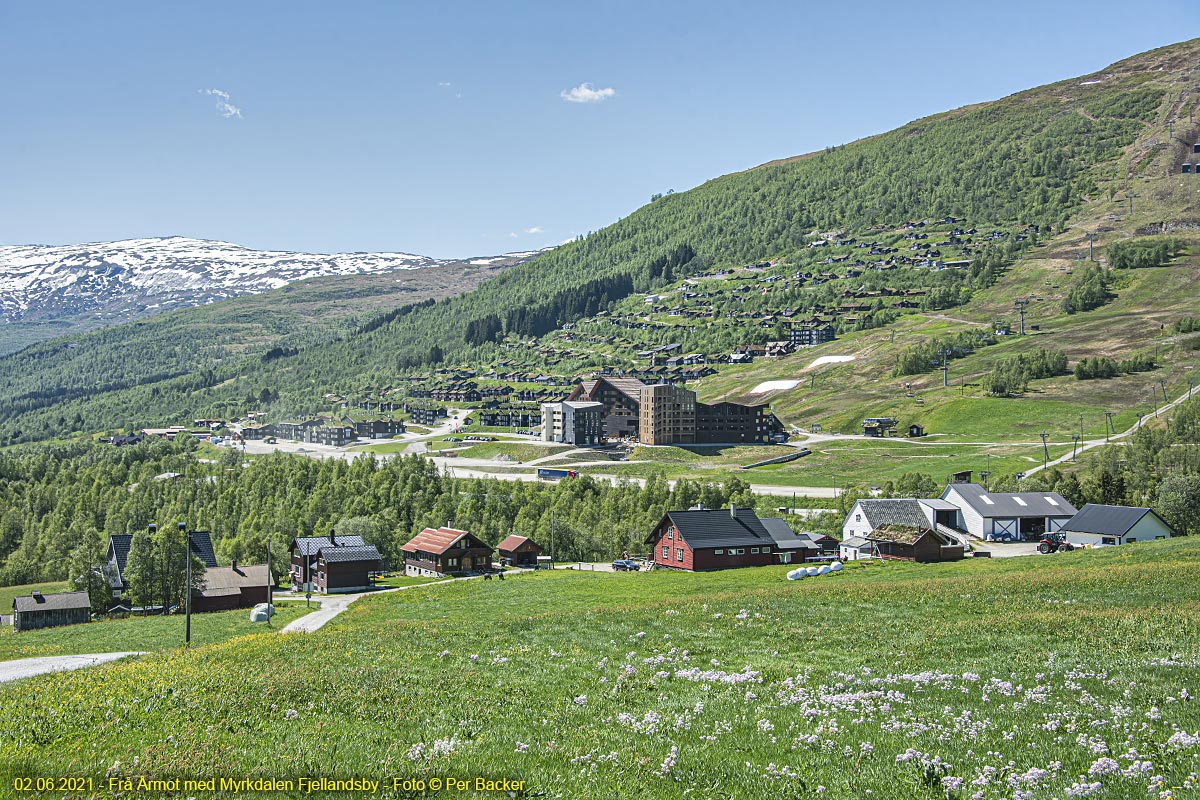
[
  {"x": 134, "y": 275},
  {"x": 110, "y": 282}
]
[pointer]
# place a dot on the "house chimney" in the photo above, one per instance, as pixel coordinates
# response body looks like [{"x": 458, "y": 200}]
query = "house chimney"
[
  {"x": 733, "y": 509},
  {"x": 234, "y": 565},
  {"x": 332, "y": 538}
]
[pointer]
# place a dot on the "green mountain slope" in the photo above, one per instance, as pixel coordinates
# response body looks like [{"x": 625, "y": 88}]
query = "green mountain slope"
[{"x": 1049, "y": 156}]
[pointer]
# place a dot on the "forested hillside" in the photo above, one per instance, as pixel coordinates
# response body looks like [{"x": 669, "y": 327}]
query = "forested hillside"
[{"x": 1035, "y": 157}]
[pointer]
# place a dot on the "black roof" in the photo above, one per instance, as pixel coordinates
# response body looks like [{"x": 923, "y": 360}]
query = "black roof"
[
  {"x": 1106, "y": 520},
  {"x": 310, "y": 545},
  {"x": 363, "y": 553},
  {"x": 119, "y": 543},
  {"x": 202, "y": 546},
  {"x": 201, "y": 542},
  {"x": 718, "y": 528}
]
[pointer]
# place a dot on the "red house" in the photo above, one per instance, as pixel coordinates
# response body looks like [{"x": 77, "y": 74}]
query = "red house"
[
  {"x": 519, "y": 551},
  {"x": 706, "y": 539},
  {"x": 436, "y": 552}
]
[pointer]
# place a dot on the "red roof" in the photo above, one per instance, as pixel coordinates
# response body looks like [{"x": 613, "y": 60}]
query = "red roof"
[
  {"x": 434, "y": 541},
  {"x": 512, "y": 542}
]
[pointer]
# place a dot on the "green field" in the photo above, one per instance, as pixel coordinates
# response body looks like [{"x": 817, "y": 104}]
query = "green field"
[
  {"x": 519, "y": 451},
  {"x": 394, "y": 581},
  {"x": 7, "y": 593},
  {"x": 893, "y": 681},
  {"x": 833, "y": 462},
  {"x": 140, "y": 633}
]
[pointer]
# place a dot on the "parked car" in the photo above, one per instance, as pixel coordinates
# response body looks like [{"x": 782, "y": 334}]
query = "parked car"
[
  {"x": 452, "y": 439},
  {"x": 626, "y": 565}
]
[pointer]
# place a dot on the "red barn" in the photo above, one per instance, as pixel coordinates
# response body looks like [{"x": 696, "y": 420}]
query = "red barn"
[
  {"x": 711, "y": 539},
  {"x": 232, "y": 587},
  {"x": 436, "y": 552},
  {"x": 519, "y": 551}
]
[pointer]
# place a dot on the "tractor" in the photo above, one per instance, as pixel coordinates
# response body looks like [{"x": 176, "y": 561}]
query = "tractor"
[{"x": 1053, "y": 543}]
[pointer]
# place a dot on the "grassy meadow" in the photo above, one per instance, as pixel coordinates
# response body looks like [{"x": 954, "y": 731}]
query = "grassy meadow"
[
  {"x": 1037, "y": 677},
  {"x": 9, "y": 593}
]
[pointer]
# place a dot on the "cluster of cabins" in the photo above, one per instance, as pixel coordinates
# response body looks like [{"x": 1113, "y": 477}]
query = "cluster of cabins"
[
  {"x": 906, "y": 529},
  {"x": 609, "y": 408},
  {"x": 326, "y": 431},
  {"x": 334, "y": 564}
]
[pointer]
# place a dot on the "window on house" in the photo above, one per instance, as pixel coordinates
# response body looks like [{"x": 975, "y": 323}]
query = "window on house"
[
  {"x": 666, "y": 552},
  {"x": 1108, "y": 540},
  {"x": 858, "y": 517},
  {"x": 753, "y": 549},
  {"x": 679, "y": 554},
  {"x": 670, "y": 534},
  {"x": 718, "y": 552}
]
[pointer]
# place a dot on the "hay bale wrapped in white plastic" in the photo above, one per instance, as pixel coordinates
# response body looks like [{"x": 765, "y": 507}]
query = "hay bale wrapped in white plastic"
[
  {"x": 823, "y": 569},
  {"x": 796, "y": 575},
  {"x": 262, "y": 612},
  {"x": 812, "y": 572},
  {"x": 836, "y": 566}
]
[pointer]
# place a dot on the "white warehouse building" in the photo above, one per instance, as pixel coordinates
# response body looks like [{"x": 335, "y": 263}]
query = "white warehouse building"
[{"x": 1007, "y": 515}]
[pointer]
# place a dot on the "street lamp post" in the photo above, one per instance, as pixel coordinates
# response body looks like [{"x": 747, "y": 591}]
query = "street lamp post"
[{"x": 187, "y": 586}]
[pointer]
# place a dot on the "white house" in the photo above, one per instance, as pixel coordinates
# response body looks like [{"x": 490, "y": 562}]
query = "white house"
[
  {"x": 1100, "y": 524},
  {"x": 986, "y": 514},
  {"x": 871, "y": 514},
  {"x": 852, "y": 548}
]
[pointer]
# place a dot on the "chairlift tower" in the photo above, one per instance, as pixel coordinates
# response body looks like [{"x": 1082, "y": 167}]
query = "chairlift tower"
[
  {"x": 1045, "y": 451},
  {"x": 1108, "y": 424},
  {"x": 1091, "y": 240},
  {"x": 1019, "y": 308},
  {"x": 1129, "y": 196},
  {"x": 945, "y": 369},
  {"x": 1074, "y": 445}
]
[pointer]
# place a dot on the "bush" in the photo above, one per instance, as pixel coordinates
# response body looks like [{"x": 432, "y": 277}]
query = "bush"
[
  {"x": 1089, "y": 291},
  {"x": 1012, "y": 375},
  {"x": 1143, "y": 253}
]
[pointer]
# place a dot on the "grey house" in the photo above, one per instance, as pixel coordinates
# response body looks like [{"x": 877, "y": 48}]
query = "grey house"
[{"x": 50, "y": 610}]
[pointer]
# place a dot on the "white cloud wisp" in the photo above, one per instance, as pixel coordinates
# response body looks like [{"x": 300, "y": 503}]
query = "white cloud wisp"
[
  {"x": 586, "y": 93},
  {"x": 225, "y": 108}
]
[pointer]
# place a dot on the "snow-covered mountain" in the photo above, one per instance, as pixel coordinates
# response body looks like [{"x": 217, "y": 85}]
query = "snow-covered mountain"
[{"x": 116, "y": 281}]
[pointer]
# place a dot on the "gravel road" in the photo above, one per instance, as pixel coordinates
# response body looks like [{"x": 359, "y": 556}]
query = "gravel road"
[{"x": 28, "y": 667}]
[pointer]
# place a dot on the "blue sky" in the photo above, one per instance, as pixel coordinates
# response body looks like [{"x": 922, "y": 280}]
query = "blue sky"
[{"x": 451, "y": 129}]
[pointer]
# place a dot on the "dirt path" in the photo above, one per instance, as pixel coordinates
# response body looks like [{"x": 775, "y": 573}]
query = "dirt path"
[{"x": 28, "y": 667}]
